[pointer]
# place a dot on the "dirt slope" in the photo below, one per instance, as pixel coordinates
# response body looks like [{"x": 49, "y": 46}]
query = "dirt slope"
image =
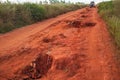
[{"x": 73, "y": 46}]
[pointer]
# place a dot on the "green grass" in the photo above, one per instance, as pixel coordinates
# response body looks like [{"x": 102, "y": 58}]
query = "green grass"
[
  {"x": 17, "y": 15},
  {"x": 109, "y": 12}
]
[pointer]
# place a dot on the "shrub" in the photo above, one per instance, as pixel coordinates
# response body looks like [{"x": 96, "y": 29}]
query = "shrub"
[
  {"x": 110, "y": 13},
  {"x": 17, "y": 15},
  {"x": 37, "y": 11}
]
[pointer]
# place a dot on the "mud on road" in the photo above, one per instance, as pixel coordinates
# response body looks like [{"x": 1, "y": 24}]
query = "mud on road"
[{"x": 74, "y": 46}]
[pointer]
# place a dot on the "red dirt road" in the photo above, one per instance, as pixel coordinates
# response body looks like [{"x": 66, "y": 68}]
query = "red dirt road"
[{"x": 73, "y": 46}]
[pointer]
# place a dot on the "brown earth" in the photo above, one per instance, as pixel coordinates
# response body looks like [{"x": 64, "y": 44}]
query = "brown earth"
[{"x": 73, "y": 46}]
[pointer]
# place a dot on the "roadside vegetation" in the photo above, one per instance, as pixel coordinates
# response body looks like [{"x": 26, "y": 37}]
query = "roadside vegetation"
[
  {"x": 110, "y": 12},
  {"x": 15, "y": 15}
]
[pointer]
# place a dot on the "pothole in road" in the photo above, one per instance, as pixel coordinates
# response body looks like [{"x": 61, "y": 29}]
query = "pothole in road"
[
  {"x": 80, "y": 23},
  {"x": 38, "y": 68},
  {"x": 47, "y": 40},
  {"x": 53, "y": 38},
  {"x": 74, "y": 23},
  {"x": 84, "y": 16},
  {"x": 70, "y": 64},
  {"x": 89, "y": 24},
  {"x": 62, "y": 35}
]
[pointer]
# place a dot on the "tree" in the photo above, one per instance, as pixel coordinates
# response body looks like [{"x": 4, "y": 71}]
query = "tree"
[
  {"x": 54, "y": 1},
  {"x": 45, "y": 2},
  {"x": 40, "y": 2},
  {"x": 62, "y": 1},
  {"x": 69, "y": 2}
]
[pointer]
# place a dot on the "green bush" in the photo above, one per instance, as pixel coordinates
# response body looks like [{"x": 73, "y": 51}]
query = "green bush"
[
  {"x": 114, "y": 23},
  {"x": 110, "y": 12},
  {"x": 22, "y": 16},
  {"x": 117, "y": 7},
  {"x": 37, "y": 11},
  {"x": 13, "y": 16},
  {"x": 17, "y": 15}
]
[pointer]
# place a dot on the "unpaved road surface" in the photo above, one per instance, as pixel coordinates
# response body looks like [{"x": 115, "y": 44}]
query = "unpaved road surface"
[{"x": 73, "y": 46}]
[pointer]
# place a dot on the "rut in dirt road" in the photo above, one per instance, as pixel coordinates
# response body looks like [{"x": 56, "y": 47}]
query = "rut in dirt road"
[{"x": 77, "y": 46}]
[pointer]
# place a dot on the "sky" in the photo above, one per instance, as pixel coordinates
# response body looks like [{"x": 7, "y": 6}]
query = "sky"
[{"x": 85, "y": 1}]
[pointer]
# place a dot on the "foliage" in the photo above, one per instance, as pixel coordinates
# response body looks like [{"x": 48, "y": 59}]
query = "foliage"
[
  {"x": 110, "y": 13},
  {"x": 17, "y": 15},
  {"x": 54, "y": 1},
  {"x": 13, "y": 16},
  {"x": 37, "y": 12},
  {"x": 117, "y": 7}
]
